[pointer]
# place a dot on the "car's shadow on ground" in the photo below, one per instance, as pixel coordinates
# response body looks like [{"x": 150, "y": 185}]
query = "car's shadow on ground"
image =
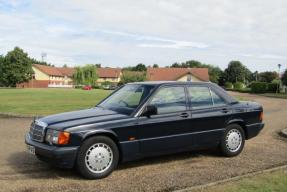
[{"x": 26, "y": 165}]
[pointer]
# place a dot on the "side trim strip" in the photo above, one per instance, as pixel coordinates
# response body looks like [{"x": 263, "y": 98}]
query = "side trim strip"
[
  {"x": 176, "y": 135},
  {"x": 253, "y": 124}
]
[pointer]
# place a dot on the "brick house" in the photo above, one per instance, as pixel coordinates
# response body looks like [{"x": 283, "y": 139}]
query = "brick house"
[
  {"x": 48, "y": 76},
  {"x": 178, "y": 74},
  {"x": 112, "y": 75}
]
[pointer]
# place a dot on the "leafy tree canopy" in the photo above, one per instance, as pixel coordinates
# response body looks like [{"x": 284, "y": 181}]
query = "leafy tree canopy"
[
  {"x": 15, "y": 67},
  {"x": 284, "y": 78},
  {"x": 133, "y": 76},
  {"x": 237, "y": 72},
  {"x": 86, "y": 75},
  {"x": 155, "y": 66},
  {"x": 268, "y": 76},
  {"x": 138, "y": 67}
]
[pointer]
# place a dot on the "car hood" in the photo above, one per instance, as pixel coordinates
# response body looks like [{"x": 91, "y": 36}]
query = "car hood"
[{"x": 82, "y": 117}]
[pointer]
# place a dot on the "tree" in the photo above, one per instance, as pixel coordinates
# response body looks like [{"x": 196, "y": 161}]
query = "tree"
[
  {"x": 98, "y": 65},
  {"x": 35, "y": 61},
  {"x": 155, "y": 66},
  {"x": 86, "y": 75},
  {"x": 16, "y": 67},
  {"x": 132, "y": 76},
  {"x": 284, "y": 78},
  {"x": 237, "y": 72},
  {"x": 1, "y": 73},
  {"x": 268, "y": 76},
  {"x": 139, "y": 67}
]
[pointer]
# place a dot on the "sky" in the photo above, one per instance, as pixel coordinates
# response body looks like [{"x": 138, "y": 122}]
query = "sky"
[{"x": 127, "y": 32}]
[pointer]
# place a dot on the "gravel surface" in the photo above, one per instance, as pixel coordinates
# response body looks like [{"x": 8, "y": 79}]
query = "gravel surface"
[{"x": 20, "y": 171}]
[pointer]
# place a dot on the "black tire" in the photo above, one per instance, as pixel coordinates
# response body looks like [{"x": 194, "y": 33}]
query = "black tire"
[
  {"x": 224, "y": 147},
  {"x": 81, "y": 165}
]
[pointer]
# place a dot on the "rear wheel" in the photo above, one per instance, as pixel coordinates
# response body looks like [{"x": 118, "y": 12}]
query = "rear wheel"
[
  {"x": 98, "y": 157},
  {"x": 233, "y": 140}
]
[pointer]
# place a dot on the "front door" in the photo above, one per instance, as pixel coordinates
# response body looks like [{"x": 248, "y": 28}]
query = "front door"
[{"x": 166, "y": 130}]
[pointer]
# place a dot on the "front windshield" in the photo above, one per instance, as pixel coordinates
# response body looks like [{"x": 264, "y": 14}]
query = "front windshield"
[{"x": 127, "y": 99}]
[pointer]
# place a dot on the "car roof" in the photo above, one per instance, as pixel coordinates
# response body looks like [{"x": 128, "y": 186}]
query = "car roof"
[{"x": 170, "y": 82}]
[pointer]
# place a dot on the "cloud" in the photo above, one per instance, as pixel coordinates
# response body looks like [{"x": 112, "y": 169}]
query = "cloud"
[
  {"x": 120, "y": 33},
  {"x": 273, "y": 57},
  {"x": 175, "y": 45}
]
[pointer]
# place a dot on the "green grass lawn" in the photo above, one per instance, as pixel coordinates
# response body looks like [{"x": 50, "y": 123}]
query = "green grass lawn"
[
  {"x": 268, "y": 182},
  {"x": 48, "y": 101},
  {"x": 276, "y": 95}
]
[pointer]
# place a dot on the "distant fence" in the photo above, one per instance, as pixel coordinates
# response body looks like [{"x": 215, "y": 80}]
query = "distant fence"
[
  {"x": 41, "y": 84},
  {"x": 34, "y": 84},
  {"x": 60, "y": 86}
]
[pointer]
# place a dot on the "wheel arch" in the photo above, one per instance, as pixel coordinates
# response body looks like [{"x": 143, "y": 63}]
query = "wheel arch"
[
  {"x": 241, "y": 123},
  {"x": 110, "y": 134}
]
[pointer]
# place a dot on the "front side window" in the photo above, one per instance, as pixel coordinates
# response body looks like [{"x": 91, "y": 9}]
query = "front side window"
[
  {"x": 200, "y": 97},
  {"x": 169, "y": 100},
  {"x": 127, "y": 99}
]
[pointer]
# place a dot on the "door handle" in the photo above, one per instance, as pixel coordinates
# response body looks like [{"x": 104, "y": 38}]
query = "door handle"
[
  {"x": 225, "y": 110},
  {"x": 184, "y": 115}
]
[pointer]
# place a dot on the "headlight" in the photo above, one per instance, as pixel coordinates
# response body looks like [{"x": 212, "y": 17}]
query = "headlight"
[{"x": 57, "y": 137}]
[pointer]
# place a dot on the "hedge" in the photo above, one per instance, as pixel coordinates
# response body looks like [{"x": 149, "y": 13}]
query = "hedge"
[
  {"x": 238, "y": 85},
  {"x": 228, "y": 85},
  {"x": 272, "y": 87},
  {"x": 259, "y": 87}
]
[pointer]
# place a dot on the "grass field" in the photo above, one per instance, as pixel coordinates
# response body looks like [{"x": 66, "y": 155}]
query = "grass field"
[
  {"x": 268, "y": 182},
  {"x": 47, "y": 101}
]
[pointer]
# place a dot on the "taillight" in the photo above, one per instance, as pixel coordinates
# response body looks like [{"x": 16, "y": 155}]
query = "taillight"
[{"x": 261, "y": 116}]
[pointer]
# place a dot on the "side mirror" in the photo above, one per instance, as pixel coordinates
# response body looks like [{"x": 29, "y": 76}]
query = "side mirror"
[{"x": 150, "y": 110}]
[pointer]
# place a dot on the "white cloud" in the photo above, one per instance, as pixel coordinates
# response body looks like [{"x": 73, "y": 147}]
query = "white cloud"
[{"x": 119, "y": 33}]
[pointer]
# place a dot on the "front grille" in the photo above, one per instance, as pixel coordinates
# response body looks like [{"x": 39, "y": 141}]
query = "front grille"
[{"x": 37, "y": 132}]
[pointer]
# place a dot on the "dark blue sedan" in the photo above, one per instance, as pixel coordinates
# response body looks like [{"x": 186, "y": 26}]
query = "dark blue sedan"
[{"x": 145, "y": 119}]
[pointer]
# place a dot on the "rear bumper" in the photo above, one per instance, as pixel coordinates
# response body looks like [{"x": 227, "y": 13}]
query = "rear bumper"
[
  {"x": 253, "y": 130},
  {"x": 63, "y": 157}
]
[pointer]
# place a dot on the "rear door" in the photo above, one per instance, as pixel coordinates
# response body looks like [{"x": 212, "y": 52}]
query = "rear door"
[{"x": 209, "y": 114}]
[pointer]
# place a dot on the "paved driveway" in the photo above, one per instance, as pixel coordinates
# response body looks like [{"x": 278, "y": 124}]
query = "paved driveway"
[{"x": 20, "y": 171}]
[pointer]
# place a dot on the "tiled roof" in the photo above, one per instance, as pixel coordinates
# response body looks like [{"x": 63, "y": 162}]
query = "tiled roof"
[
  {"x": 109, "y": 72},
  {"x": 172, "y": 74},
  {"x": 55, "y": 71},
  {"x": 66, "y": 71}
]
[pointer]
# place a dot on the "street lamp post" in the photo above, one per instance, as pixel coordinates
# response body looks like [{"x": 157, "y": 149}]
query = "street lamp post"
[{"x": 279, "y": 84}]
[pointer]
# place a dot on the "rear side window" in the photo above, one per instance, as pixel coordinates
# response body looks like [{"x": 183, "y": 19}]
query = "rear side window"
[
  {"x": 203, "y": 97},
  {"x": 169, "y": 100},
  {"x": 200, "y": 97},
  {"x": 217, "y": 100}
]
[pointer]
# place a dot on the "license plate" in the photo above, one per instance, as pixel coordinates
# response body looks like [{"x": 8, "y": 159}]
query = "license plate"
[{"x": 31, "y": 149}]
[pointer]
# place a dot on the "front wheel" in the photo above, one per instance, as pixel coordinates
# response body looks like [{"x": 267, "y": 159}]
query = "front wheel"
[
  {"x": 98, "y": 157},
  {"x": 232, "y": 141}
]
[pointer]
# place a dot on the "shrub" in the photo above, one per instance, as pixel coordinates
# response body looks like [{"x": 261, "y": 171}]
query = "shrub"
[
  {"x": 259, "y": 87},
  {"x": 228, "y": 85},
  {"x": 96, "y": 86},
  {"x": 78, "y": 86},
  {"x": 238, "y": 85},
  {"x": 272, "y": 87}
]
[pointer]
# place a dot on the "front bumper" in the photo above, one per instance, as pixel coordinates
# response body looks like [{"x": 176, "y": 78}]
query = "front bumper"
[
  {"x": 253, "y": 130},
  {"x": 64, "y": 157}
]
